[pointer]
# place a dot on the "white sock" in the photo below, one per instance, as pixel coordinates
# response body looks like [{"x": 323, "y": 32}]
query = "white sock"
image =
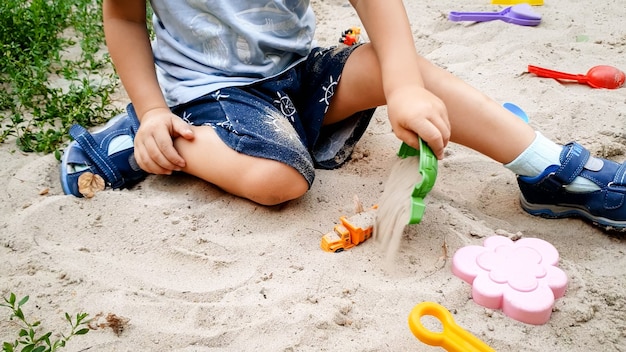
[{"x": 540, "y": 154}]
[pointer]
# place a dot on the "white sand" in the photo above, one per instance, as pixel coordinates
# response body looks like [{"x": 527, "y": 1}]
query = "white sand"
[
  {"x": 195, "y": 269},
  {"x": 395, "y": 206}
]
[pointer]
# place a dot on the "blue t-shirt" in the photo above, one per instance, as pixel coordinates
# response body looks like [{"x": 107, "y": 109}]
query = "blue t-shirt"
[{"x": 204, "y": 45}]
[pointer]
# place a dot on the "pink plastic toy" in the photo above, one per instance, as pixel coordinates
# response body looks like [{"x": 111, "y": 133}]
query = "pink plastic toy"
[{"x": 521, "y": 278}]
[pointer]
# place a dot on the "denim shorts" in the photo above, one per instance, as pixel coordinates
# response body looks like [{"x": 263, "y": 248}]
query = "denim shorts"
[{"x": 281, "y": 118}]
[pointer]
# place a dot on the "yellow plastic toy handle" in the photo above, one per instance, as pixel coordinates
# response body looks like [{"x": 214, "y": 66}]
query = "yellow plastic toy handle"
[{"x": 453, "y": 338}]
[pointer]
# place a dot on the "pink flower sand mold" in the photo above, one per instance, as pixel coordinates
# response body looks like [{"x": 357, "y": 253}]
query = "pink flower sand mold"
[{"x": 521, "y": 278}]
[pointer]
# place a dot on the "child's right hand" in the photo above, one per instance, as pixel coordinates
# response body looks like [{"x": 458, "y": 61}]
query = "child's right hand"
[
  {"x": 154, "y": 146},
  {"x": 415, "y": 112}
]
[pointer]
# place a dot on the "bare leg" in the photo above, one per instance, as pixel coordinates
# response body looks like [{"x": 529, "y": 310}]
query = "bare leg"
[
  {"x": 476, "y": 121},
  {"x": 263, "y": 181}
]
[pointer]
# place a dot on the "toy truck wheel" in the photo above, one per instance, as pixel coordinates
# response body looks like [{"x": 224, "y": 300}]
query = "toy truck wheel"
[{"x": 339, "y": 250}]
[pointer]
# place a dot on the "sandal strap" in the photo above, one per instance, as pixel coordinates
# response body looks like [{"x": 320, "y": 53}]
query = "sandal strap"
[
  {"x": 573, "y": 160},
  {"x": 616, "y": 190},
  {"x": 620, "y": 178},
  {"x": 98, "y": 156},
  {"x": 134, "y": 120}
]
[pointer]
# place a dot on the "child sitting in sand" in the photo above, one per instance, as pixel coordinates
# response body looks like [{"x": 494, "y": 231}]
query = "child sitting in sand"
[{"x": 237, "y": 94}]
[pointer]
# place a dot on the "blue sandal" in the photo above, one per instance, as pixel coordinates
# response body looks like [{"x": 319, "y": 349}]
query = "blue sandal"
[
  {"x": 107, "y": 152},
  {"x": 545, "y": 195}
]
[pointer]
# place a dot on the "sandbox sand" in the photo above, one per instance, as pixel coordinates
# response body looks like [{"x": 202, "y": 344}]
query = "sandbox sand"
[{"x": 195, "y": 269}]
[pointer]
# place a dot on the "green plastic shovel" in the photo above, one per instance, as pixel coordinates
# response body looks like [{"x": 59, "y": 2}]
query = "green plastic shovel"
[{"x": 428, "y": 170}]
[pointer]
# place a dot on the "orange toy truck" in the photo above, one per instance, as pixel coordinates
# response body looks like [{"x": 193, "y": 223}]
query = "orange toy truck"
[
  {"x": 352, "y": 231},
  {"x": 350, "y": 36}
]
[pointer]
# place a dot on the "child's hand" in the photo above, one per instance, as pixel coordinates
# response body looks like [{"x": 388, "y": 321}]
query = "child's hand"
[
  {"x": 154, "y": 147},
  {"x": 414, "y": 111}
]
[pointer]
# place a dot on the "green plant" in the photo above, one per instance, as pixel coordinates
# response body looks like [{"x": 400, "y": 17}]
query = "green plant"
[
  {"x": 28, "y": 336},
  {"x": 54, "y": 71}
]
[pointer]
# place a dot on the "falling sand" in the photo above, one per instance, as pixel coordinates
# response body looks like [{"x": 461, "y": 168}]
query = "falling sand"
[{"x": 394, "y": 208}]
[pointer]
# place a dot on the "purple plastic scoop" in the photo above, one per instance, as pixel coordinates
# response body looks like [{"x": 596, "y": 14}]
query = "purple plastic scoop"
[{"x": 521, "y": 14}]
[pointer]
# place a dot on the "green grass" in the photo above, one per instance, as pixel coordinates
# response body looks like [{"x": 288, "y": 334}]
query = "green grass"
[
  {"x": 30, "y": 338},
  {"x": 54, "y": 71}
]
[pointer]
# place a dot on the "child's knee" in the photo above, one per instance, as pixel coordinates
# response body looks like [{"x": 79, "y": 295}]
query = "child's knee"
[{"x": 276, "y": 184}]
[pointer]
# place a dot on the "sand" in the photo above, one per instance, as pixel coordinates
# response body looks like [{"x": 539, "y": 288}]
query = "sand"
[
  {"x": 395, "y": 206},
  {"x": 194, "y": 269}
]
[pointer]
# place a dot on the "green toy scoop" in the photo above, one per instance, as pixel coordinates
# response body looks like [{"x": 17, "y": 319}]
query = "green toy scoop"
[{"x": 428, "y": 170}]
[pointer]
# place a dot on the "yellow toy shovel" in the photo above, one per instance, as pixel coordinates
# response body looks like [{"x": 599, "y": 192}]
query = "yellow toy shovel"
[{"x": 453, "y": 338}]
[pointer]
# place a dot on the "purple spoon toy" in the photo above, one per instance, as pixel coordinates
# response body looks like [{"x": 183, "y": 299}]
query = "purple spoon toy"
[{"x": 521, "y": 14}]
